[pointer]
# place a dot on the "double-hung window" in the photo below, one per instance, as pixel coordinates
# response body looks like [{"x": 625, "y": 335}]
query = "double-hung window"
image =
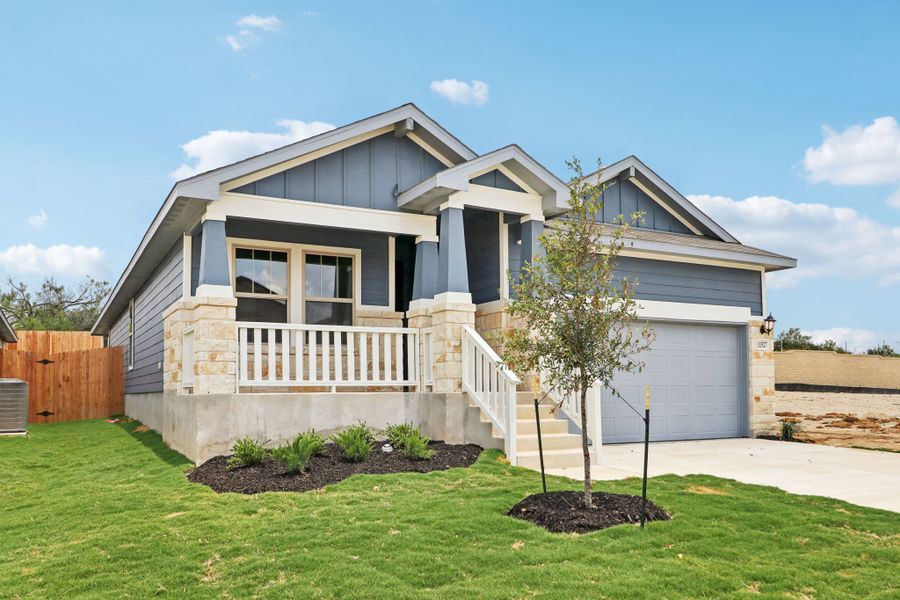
[
  {"x": 261, "y": 285},
  {"x": 328, "y": 289}
]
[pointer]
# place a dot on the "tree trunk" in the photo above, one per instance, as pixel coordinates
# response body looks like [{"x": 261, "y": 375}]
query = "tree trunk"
[{"x": 584, "y": 448}]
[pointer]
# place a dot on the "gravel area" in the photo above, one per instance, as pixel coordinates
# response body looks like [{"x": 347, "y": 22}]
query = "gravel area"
[{"x": 860, "y": 420}]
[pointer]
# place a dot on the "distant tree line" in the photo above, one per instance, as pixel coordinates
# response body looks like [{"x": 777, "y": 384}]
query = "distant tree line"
[
  {"x": 53, "y": 307},
  {"x": 794, "y": 339}
]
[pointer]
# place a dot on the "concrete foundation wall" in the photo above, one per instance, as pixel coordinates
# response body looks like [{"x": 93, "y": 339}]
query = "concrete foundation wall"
[{"x": 204, "y": 426}]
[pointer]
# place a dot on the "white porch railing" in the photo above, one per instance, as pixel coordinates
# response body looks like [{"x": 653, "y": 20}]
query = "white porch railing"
[
  {"x": 492, "y": 385},
  {"x": 427, "y": 360},
  {"x": 295, "y": 355}
]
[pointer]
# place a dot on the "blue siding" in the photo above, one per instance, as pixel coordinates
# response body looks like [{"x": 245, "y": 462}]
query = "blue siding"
[
  {"x": 366, "y": 175},
  {"x": 699, "y": 284},
  {"x": 482, "y": 230},
  {"x": 496, "y": 179},
  {"x": 625, "y": 198},
  {"x": 514, "y": 250},
  {"x": 373, "y": 247},
  {"x": 158, "y": 293}
]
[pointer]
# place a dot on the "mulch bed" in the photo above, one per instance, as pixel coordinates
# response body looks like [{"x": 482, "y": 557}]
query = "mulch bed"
[
  {"x": 270, "y": 476},
  {"x": 564, "y": 512}
]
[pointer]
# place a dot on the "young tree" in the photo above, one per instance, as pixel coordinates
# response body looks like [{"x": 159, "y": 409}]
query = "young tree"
[
  {"x": 884, "y": 349},
  {"x": 54, "y": 307},
  {"x": 577, "y": 315}
]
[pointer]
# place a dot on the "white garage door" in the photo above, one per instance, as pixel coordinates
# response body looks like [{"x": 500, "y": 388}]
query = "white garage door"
[{"x": 696, "y": 375}]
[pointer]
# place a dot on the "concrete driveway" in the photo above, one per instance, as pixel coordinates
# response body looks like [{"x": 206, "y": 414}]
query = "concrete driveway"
[{"x": 864, "y": 477}]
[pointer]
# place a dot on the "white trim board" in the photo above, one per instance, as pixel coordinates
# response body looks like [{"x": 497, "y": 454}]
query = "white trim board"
[
  {"x": 656, "y": 310},
  {"x": 301, "y": 212}
]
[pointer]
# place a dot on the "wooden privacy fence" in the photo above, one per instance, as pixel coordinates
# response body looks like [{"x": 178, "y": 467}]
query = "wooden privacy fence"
[
  {"x": 69, "y": 386},
  {"x": 53, "y": 342}
]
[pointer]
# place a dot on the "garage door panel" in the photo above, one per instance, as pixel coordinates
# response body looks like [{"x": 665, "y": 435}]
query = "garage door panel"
[{"x": 695, "y": 374}]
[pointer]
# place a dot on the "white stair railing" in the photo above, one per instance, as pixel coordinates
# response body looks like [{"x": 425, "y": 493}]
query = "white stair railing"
[
  {"x": 570, "y": 406},
  {"x": 295, "y": 355},
  {"x": 492, "y": 385}
]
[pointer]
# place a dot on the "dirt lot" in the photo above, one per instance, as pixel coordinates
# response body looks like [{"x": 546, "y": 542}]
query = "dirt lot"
[{"x": 861, "y": 420}]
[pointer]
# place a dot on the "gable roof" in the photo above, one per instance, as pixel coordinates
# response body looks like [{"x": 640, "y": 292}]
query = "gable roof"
[
  {"x": 187, "y": 200},
  {"x": 554, "y": 193},
  {"x": 7, "y": 334},
  {"x": 633, "y": 169}
]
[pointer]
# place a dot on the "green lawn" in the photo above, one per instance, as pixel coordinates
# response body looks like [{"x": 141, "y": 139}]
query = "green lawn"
[{"x": 93, "y": 509}]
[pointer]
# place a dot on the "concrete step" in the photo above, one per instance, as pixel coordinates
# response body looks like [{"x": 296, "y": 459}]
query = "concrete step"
[
  {"x": 526, "y": 398},
  {"x": 529, "y": 427},
  {"x": 552, "y": 441},
  {"x": 526, "y": 411},
  {"x": 553, "y": 459}
]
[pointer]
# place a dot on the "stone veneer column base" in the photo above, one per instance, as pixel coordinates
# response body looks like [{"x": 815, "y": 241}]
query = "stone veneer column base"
[
  {"x": 761, "y": 376},
  {"x": 491, "y": 320},
  {"x": 449, "y": 313},
  {"x": 213, "y": 322}
]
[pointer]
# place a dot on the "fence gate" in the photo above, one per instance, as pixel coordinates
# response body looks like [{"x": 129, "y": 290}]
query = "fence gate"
[{"x": 69, "y": 386}]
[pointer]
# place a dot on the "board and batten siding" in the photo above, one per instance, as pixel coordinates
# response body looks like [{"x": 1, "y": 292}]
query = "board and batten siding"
[
  {"x": 624, "y": 198},
  {"x": 375, "y": 270},
  {"x": 670, "y": 281},
  {"x": 161, "y": 290},
  {"x": 369, "y": 174}
]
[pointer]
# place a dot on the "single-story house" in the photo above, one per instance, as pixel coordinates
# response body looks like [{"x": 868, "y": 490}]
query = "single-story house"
[
  {"x": 357, "y": 274},
  {"x": 7, "y": 334}
]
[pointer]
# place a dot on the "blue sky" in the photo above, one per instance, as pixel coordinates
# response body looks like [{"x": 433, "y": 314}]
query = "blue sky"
[{"x": 728, "y": 102}]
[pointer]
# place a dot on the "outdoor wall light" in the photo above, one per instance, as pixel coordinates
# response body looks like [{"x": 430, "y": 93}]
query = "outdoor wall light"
[{"x": 768, "y": 325}]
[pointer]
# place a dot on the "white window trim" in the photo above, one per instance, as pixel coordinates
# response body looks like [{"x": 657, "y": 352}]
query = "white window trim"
[
  {"x": 296, "y": 283},
  {"x": 132, "y": 333}
]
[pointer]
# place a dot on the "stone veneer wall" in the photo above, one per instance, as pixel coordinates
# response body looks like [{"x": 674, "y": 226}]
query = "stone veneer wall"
[
  {"x": 447, "y": 321},
  {"x": 761, "y": 378},
  {"x": 817, "y": 367},
  {"x": 215, "y": 344},
  {"x": 374, "y": 317}
]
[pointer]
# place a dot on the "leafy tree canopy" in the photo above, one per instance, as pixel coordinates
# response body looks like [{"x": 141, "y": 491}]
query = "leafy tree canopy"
[
  {"x": 794, "y": 339},
  {"x": 883, "y": 350},
  {"x": 54, "y": 307}
]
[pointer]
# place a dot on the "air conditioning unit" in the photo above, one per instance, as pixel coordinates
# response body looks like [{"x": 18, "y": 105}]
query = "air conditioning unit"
[{"x": 13, "y": 406}]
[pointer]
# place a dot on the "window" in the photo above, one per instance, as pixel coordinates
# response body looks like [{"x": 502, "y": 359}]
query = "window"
[
  {"x": 261, "y": 285},
  {"x": 328, "y": 289},
  {"x": 131, "y": 334}
]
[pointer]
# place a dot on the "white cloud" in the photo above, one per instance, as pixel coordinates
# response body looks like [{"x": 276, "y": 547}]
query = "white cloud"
[
  {"x": 61, "y": 259},
  {"x": 827, "y": 241},
  {"x": 249, "y": 26},
  {"x": 894, "y": 200},
  {"x": 270, "y": 23},
  {"x": 461, "y": 92},
  {"x": 38, "y": 220},
  {"x": 858, "y": 155},
  {"x": 243, "y": 39},
  {"x": 854, "y": 340},
  {"x": 222, "y": 147}
]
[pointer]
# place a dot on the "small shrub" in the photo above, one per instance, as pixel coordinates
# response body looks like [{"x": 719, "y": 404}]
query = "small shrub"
[
  {"x": 415, "y": 446},
  {"x": 790, "y": 430},
  {"x": 294, "y": 459},
  {"x": 311, "y": 441},
  {"x": 396, "y": 434},
  {"x": 355, "y": 442},
  {"x": 295, "y": 455},
  {"x": 246, "y": 452}
]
